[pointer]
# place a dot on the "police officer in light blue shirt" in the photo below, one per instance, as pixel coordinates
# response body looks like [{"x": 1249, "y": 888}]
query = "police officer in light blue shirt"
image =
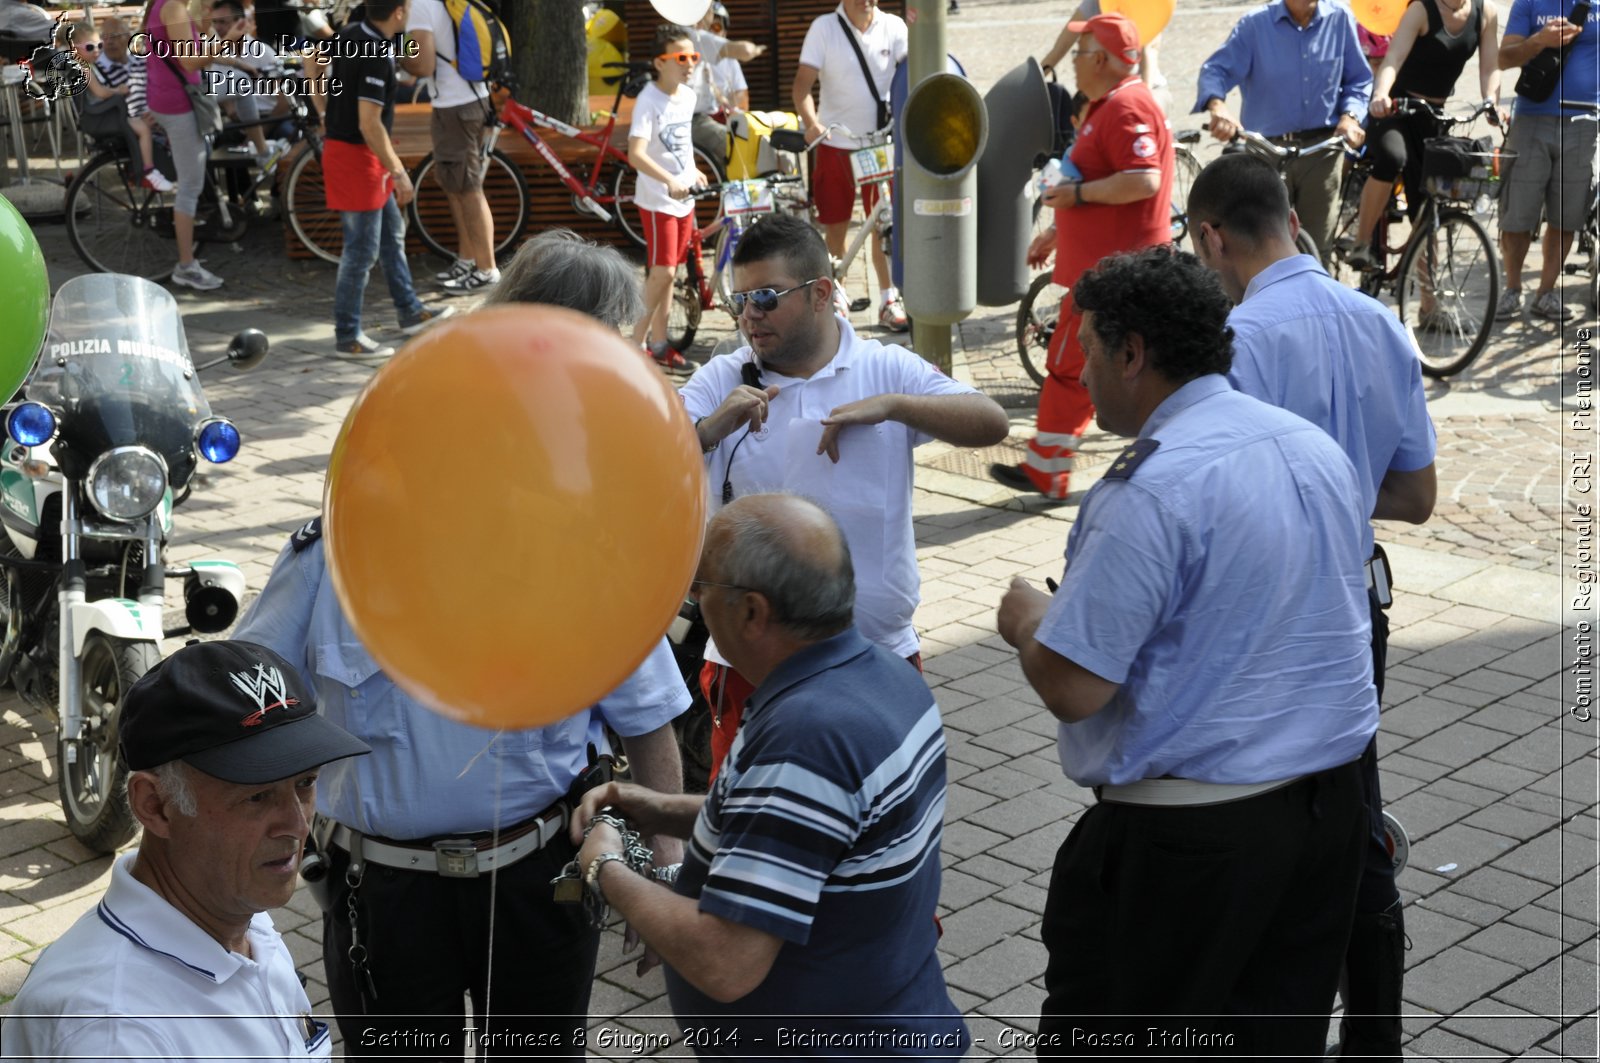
[
  {"x": 435, "y": 809},
  {"x": 1343, "y": 361},
  {"x": 1301, "y": 76},
  {"x": 1207, "y": 656}
]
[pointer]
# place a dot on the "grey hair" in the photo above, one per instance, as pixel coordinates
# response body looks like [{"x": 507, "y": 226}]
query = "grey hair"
[
  {"x": 561, "y": 268},
  {"x": 811, "y": 601},
  {"x": 172, "y": 779}
]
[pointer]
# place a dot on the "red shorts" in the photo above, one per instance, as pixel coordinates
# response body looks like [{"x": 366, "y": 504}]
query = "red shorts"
[
  {"x": 666, "y": 237},
  {"x": 833, "y": 186}
]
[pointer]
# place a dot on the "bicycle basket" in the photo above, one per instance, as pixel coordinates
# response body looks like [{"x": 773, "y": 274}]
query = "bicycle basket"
[{"x": 1459, "y": 169}]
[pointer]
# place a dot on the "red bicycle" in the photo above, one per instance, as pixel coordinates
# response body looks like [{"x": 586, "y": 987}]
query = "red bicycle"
[{"x": 607, "y": 192}]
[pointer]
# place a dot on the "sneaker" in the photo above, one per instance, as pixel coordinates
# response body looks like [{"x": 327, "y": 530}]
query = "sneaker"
[
  {"x": 1509, "y": 306},
  {"x": 892, "y": 316},
  {"x": 428, "y": 315},
  {"x": 157, "y": 181},
  {"x": 1550, "y": 307},
  {"x": 671, "y": 359},
  {"x": 458, "y": 269},
  {"x": 1011, "y": 476},
  {"x": 196, "y": 276},
  {"x": 1361, "y": 258},
  {"x": 363, "y": 348},
  {"x": 472, "y": 282}
]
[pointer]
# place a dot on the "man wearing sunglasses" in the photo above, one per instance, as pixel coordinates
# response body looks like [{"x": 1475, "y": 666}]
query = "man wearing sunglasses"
[{"x": 811, "y": 408}]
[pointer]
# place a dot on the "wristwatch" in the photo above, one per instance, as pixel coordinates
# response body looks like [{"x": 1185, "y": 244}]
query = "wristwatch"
[{"x": 591, "y": 877}]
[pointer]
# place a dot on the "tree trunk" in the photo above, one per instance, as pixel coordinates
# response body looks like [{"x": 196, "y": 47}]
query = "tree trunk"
[{"x": 550, "y": 52}]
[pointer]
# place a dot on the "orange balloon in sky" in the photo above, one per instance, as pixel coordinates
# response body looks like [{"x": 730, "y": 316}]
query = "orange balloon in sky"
[
  {"x": 1379, "y": 16},
  {"x": 1150, "y": 17},
  {"x": 513, "y": 512}
]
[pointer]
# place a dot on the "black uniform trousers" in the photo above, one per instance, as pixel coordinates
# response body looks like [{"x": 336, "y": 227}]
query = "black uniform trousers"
[
  {"x": 1214, "y": 931},
  {"x": 427, "y": 941}
]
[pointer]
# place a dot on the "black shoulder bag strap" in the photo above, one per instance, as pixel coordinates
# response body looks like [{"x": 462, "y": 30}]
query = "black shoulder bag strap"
[{"x": 866, "y": 72}]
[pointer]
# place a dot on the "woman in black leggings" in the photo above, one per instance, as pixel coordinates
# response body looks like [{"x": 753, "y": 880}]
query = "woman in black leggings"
[{"x": 1426, "y": 56}]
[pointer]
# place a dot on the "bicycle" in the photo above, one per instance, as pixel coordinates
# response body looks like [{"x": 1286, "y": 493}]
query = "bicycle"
[
  {"x": 695, "y": 291},
  {"x": 1281, "y": 155},
  {"x": 607, "y": 193},
  {"x": 117, "y": 225},
  {"x": 1447, "y": 280}
]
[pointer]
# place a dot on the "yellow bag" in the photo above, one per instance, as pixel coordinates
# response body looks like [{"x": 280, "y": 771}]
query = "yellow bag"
[{"x": 750, "y": 153}]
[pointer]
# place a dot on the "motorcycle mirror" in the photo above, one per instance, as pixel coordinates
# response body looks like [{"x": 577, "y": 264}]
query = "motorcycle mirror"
[{"x": 246, "y": 350}]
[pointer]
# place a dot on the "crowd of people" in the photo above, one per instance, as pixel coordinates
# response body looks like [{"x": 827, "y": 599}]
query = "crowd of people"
[{"x": 1213, "y": 657}]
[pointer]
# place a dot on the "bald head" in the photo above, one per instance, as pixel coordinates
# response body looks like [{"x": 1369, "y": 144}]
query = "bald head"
[{"x": 789, "y": 550}]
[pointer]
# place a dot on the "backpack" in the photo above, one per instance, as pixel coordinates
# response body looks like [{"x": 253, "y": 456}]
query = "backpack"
[{"x": 483, "y": 48}]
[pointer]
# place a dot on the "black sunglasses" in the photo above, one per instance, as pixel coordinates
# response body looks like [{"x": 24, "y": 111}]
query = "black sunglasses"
[{"x": 764, "y": 299}]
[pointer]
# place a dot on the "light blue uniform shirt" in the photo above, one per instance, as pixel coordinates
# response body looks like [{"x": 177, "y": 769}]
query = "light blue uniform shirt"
[
  {"x": 1290, "y": 79},
  {"x": 428, "y": 775},
  {"x": 1341, "y": 360},
  {"x": 1220, "y": 585}
]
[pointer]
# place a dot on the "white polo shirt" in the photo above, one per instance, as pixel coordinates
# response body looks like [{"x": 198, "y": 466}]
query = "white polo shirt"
[
  {"x": 135, "y": 978},
  {"x": 845, "y": 97},
  {"x": 868, "y": 491}
]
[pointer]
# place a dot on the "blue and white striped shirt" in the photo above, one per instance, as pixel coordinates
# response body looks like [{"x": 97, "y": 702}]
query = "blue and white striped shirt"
[{"x": 823, "y": 829}]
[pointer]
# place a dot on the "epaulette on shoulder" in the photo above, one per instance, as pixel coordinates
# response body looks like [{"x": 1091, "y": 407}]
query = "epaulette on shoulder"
[
  {"x": 306, "y": 534},
  {"x": 1131, "y": 458}
]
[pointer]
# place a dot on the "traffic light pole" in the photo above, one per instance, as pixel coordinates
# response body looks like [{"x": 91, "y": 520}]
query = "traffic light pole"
[{"x": 926, "y": 51}]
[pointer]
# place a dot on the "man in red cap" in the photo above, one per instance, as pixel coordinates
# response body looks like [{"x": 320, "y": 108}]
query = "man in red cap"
[{"x": 1123, "y": 202}]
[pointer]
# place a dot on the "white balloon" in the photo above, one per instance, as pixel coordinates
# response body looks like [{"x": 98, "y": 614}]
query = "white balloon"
[{"x": 682, "y": 12}]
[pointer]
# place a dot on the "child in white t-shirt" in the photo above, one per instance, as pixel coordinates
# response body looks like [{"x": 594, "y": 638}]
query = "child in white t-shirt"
[{"x": 662, "y": 151}]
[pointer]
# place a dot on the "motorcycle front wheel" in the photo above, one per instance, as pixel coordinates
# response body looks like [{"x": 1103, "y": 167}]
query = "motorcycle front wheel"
[{"x": 92, "y": 778}]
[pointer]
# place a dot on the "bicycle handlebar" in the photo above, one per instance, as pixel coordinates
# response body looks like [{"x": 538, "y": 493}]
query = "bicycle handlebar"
[
  {"x": 1415, "y": 106},
  {"x": 1286, "y": 153}
]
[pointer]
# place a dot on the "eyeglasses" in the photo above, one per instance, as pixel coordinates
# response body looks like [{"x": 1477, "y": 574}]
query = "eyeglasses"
[
  {"x": 683, "y": 58},
  {"x": 764, "y": 299},
  {"x": 694, "y": 596},
  {"x": 1085, "y": 52},
  {"x": 91, "y": 47}
]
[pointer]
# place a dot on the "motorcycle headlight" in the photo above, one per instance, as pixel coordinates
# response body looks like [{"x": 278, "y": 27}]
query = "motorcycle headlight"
[{"x": 127, "y": 483}]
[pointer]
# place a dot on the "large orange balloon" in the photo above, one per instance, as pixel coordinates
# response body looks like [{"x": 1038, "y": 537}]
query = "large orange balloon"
[
  {"x": 1149, "y": 17},
  {"x": 514, "y": 510},
  {"x": 1379, "y": 16}
]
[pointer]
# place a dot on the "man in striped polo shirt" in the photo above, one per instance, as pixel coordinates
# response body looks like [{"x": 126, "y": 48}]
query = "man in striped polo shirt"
[{"x": 802, "y": 921}]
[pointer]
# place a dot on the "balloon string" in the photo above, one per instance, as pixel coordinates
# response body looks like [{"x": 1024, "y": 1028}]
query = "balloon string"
[
  {"x": 478, "y": 756},
  {"x": 494, "y": 876}
]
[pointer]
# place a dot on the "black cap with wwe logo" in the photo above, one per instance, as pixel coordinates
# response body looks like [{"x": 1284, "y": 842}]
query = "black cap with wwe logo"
[{"x": 235, "y": 710}]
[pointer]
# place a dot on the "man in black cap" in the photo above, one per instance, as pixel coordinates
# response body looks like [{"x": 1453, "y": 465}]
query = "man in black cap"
[{"x": 223, "y": 743}]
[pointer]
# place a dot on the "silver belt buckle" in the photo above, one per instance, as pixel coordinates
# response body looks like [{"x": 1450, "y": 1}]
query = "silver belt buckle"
[{"x": 456, "y": 858}]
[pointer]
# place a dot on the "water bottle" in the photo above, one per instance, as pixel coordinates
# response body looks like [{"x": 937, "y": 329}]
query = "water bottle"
[
  {"x": 1483, "y": 204},
  {"x": 1050, "y": 175}
]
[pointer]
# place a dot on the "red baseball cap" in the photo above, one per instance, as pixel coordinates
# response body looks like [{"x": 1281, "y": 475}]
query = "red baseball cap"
[{"x": 1116, "y": 33}]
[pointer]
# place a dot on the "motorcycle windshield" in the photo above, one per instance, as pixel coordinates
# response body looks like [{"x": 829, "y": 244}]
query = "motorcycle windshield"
[{"x": 115, "y": 367}]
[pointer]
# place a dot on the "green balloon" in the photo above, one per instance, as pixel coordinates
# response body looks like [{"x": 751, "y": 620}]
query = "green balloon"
[{"x": 25, "y": 305}]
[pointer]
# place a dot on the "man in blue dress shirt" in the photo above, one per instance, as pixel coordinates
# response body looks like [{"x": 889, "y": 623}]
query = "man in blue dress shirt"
[
  {"x": 1301, "y": 77},
  {"x": 420, "y": 825},
  {"x": 1343, "y": 361},
  {"x": 1207, "y": 656}
]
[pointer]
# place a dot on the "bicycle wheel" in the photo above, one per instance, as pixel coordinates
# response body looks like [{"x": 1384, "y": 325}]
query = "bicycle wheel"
[
  {"x": 1305, "y": 245},
  {"x": 503, "y": 187},
  {"x": 1036, "y": 323},
  {"x": 1185, "y": 169},
  {"x": 683, "y": 314},
  {"x": 116, "y": 225},
  {"x": 1446, "y": 291},
  {"x": 305, "y": 208},
  {"x": 626, "y": 215}
]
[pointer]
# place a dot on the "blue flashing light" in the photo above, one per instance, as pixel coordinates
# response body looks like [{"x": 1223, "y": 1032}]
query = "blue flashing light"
[
  {"x": 31, "y": 424},
  {"x": 218, "y": 440}
]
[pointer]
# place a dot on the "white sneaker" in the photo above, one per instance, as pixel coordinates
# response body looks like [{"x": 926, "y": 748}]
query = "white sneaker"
[
  {"x": 196, "y": 276},
  {"x": 458, "y": 269},
  {"x": 472, "y": 283},
  {"x": 1550, "y": 307},
  {"x": 157, "y": 181},
  {"x": 892, "y": 316},
  {"x": 1509, "y": 306},
  {"x": 363, "y": 349},
  {"x": 841, "y": 300}
]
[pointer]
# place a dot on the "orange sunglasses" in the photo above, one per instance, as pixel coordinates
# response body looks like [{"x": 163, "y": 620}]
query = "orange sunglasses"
[{"x": 684, "y": 58}]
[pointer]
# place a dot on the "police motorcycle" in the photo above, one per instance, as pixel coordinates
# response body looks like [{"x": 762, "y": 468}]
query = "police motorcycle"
[{"x": 102, "y": 445}]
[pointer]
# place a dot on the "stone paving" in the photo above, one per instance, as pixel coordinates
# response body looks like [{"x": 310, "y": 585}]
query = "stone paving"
[{"x": 1494, "y": 779}]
